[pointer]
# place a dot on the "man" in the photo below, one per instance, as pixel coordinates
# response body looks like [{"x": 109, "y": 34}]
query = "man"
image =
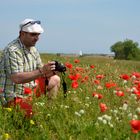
[{"x": 21, "y": 69}]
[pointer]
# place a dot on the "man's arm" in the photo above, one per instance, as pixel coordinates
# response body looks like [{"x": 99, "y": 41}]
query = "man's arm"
[{"x": 25, "y": 77}]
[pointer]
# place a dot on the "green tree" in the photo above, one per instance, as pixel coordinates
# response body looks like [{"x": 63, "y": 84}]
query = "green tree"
[
  {"x": 127, "y": 50},
  {"x": 117, "y": 48}
]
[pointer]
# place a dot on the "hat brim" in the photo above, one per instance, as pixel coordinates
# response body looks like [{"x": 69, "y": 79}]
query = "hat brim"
[{"x": 35, "y": 28}]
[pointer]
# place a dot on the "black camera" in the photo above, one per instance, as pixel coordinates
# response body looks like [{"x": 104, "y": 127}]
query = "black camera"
[{"x": 59, "y": 67}]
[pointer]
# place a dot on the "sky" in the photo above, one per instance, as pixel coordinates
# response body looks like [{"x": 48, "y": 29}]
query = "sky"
[{"x": 71, "y": 26}]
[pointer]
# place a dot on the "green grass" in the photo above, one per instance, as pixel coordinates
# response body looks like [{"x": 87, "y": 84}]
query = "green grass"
[{"x": 78, "y": 116}]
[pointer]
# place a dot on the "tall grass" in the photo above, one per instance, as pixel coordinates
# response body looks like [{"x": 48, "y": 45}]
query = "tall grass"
[{"x": 78, "y": 116}]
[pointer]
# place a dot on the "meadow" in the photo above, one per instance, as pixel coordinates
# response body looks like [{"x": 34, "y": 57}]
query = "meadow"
[{"x": 102, "y": 103}]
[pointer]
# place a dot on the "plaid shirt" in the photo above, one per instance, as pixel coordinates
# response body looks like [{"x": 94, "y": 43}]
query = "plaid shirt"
[{"x": 16, "y": 58}]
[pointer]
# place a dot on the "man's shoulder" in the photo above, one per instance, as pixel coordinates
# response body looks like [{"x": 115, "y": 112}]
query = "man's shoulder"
[{"x": 13, "y": 46}]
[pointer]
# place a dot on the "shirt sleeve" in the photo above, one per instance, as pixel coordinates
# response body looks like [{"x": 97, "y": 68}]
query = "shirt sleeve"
[{"x": 14, "y": 62}]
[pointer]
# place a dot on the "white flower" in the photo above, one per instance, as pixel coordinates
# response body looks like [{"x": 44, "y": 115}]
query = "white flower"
[
  {"x": 117, "y": 118},
  {"x": 87, "y": 105},
  {"x": 133, "y": 77},
  {"x": 40, "y": 104},
  {"x": 134, "y": 96},
  {"x": 135, "y": 117},
  {"x": 67, "y": 106},
  {"x": 48, "y": 115},
  {"x": 78, "y": 114},
  {"x": 100, "y": 118},
  {"x": 96, "y": 96},
  {"x": 41, "y": 126},
  {"x": 130, "y": 115},
  {"x": 104, "y": 122},
  {"x": 74, "y": 91},
  {"x": 115, "y": 111},
  {"x": 114, "y": 91},
  {"x": 125, "y": 81},
  {"x": 87, "y": 98},
  {"x": 110, "y": 124},
  {"x": 138, "y": 110},
  {"x": 108, "y": 118},
  {"x": 120, "y": 108},
  {"x": 125, "y": 106},
  {"x": 96, "y": 124},
  {"x": 69, "y": 91},
  {"x": 133, "y": 88},
  {"x": 90, "y": 102},
  {"x": 81, "y": 111}
]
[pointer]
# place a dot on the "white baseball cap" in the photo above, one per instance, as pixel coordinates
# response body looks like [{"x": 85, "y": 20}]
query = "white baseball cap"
[{"x": 31, "y": 26}]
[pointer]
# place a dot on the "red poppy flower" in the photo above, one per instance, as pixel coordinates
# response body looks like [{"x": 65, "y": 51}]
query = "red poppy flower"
[
  {"x": 68, "y": 65},
  {"x": 74, "y": 84},
  {"x": 78, "y": 76},
  {"x": 103, "y": 107},
  {"x": 99, "y": 87},
  {"x": 76, "y": 60},
  {"x": 97, "y": 82},
  {"x": 136, "y": 74},
  {"x": 75, "y": 77},
  {"x": 98, "y": 95},
  {"x": 92, "y": 66},
  {"x": 136, "y": 81},
  {"x": 83, "y": 80},
  {"x": 79, "y": 69},
  {"x": 137, "y": 92},
  {"x": 100, "y": 76},
  {"x": 120, "y": 93},
  {"x": 72, "y": 77},
  {"x": 118, "y": 88},
  {"x": 125, "y": 77},
  {"x": 135, "y": 126},
  {"x": 27, "y": 90},
  {"x": 24, "y": 105},
  {"x": 138, "y": 85},
  {"x": 86, "y": 77},
  {"x": 110, "y": 85}
]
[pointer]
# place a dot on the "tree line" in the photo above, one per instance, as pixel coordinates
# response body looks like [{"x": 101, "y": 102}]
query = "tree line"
[{"x": 126, "y": 50}]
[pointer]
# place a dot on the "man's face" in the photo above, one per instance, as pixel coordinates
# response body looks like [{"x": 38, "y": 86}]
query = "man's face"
[{"x": 30, "y": 39}]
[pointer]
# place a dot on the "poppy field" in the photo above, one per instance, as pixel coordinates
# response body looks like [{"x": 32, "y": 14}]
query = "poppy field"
[{"x": 102, "y": 102}]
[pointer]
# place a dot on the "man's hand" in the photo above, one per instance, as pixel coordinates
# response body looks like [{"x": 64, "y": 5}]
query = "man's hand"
[{"x": 48, "y": 69}]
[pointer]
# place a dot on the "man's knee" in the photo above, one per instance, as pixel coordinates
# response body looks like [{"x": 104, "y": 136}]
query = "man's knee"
[{"x": 54, "y": 81}]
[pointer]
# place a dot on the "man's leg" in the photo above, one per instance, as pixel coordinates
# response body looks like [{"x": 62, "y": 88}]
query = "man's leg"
[
  {"x": 50, "y": 85},
  {"x": 53, "y": 86}
]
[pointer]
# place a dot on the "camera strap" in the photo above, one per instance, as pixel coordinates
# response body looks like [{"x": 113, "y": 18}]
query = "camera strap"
[{"x": 64, "y": 84}]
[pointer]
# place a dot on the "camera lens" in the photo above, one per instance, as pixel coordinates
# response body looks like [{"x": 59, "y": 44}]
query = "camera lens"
[{"x": 59, "y": 67}]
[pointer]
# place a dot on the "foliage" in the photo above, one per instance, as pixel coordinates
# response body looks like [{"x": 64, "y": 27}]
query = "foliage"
[
  {"x": 96, "y": 109},
  {"x": 127, "y": 50}
]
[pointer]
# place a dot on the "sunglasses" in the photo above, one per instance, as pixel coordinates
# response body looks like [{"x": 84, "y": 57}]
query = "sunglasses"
[{"x": 31, "y": 22}]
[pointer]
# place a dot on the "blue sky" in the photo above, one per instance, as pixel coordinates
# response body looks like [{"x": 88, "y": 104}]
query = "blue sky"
[{"x": 91, "y": 26}]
